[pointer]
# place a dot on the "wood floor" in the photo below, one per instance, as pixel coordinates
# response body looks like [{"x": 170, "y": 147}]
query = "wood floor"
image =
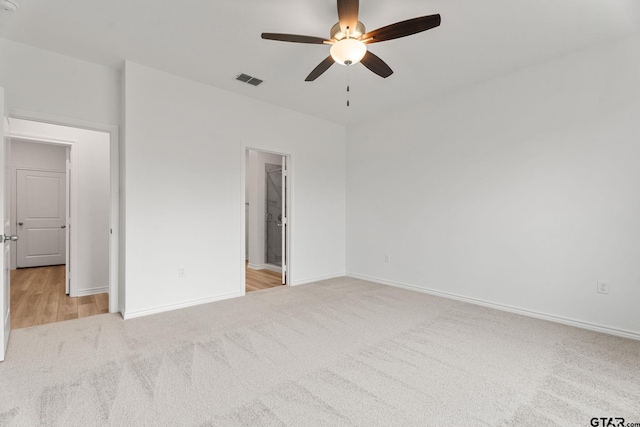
[
  {"x": 261, "y": 279},
  {"x": 38, "y": 297}
]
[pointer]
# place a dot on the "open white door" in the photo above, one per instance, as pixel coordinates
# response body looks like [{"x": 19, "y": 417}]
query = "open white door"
[
  {"x": 67, "y": 235},
  {"x": 5, "y": 237},
  {"x": 285, "y": 224}
]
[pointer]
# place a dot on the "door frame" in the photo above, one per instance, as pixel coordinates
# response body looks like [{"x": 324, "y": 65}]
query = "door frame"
[
  {"x": 71, "y": 201},
  {"x": 288, "y": 208},
  {"x": 116, "y": 285}
]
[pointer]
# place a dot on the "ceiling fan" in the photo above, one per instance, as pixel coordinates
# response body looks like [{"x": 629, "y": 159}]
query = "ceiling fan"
[{"x": 349, "y": 40}]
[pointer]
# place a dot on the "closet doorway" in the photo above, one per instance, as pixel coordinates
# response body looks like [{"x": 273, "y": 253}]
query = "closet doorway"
[{"x": 267, "y": 222}]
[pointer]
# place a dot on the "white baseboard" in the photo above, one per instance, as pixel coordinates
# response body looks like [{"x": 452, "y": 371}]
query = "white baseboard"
[
  {"x": 141, "y": 313},
  {"x": 508, "y": 308},
  {"x": 269, "y": 267},
  {"x": 92, "y": 291},
  {"x": 317, "y": 279},
  {"x": 256, "y": 266},
  {"x": 273, "y": 268}
]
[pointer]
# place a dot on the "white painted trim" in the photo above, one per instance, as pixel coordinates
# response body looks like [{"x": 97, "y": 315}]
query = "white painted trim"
[
  {"x": 255, "y": 266},
  {"x": 243, "y": 216},
  {"x": 269, "y": 267},
  {"x": 5, "y": 318},
  {"x": 67, "y": 236},
  {"x": 273, "y": 268},
  {"x": 503, "y": 307},
  {"x": 93, "y": 291},
  {"x": 115, "y": 305},
  {"x": 141, "y": 313},
  {"x": 24, "y": 168},
  {"x": 291, "y": 218},
  {"x": 39, "y": 139},
  {"x": 318, "y": 279}
]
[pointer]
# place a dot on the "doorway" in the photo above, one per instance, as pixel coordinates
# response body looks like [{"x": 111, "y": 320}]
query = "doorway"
[
  {"x": 39, "y": 200},
  {"x": 60, "y": 184},
  {"x": 267, "y": 224}
]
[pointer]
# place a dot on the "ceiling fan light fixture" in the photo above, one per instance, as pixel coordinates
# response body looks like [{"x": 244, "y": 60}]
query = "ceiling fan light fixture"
[{"x": 348, "y": 51}]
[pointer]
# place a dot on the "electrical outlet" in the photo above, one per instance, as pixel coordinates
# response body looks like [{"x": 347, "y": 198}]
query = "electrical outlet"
[
  {"x": 182, "y": 272},
  {"x": 603, "y": 287},
  {"x": 387, "y": 258}
]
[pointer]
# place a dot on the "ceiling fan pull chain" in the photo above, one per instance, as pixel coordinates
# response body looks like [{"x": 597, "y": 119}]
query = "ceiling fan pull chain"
[
  {"x": 348, "y": 86},
  {"x": 347, "y": 94}
]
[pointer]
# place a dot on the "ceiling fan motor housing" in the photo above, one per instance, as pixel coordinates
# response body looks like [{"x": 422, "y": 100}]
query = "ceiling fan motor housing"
[{"x": 337, "y": 34}]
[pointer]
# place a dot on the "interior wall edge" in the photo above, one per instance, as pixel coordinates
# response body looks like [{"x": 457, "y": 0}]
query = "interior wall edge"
[{"x": 504, "y": 307}]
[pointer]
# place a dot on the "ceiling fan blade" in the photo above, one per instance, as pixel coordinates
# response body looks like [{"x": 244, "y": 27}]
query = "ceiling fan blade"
[
  {"x": 402, "y": 29},
  {"x": 294, "y": 38},
  {"x": 321, "y": 68},
  {"x": 377, "y": 65},
  {"x": 348, "y": 14}
]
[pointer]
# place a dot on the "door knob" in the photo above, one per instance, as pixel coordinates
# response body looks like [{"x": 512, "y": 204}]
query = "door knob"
[
  {"x": 21, "y": 223},
  {"x": 63, "y": 226},
  {"x": 9, "y": 238}
]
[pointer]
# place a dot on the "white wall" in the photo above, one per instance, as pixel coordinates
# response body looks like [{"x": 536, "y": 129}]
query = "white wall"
[
  {"x": 37, "y": 80},
  {"x": 38, "y": 156},
  {"x": 521, "y": 191},
  {"x": 31, "y": 155},
  {"x": 93, "y": 198},
  {"x": 257, "y": 210},
  {"x": 184, "y": 191}
]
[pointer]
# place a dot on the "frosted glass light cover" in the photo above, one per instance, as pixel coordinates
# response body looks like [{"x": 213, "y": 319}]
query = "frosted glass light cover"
[{"x": 348, "y": 50}]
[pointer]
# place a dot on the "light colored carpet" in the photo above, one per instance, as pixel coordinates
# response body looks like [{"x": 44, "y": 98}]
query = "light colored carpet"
[{"x": 338, "y": 353}]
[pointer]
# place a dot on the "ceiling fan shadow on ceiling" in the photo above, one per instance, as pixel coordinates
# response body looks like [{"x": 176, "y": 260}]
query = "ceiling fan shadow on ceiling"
[
  {"x": 349, "y": 39},
  {"x": 10, "y": 5}
]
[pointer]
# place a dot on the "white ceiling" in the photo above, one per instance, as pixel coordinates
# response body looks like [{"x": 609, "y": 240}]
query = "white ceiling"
[{"x": 213, "y": 41}]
